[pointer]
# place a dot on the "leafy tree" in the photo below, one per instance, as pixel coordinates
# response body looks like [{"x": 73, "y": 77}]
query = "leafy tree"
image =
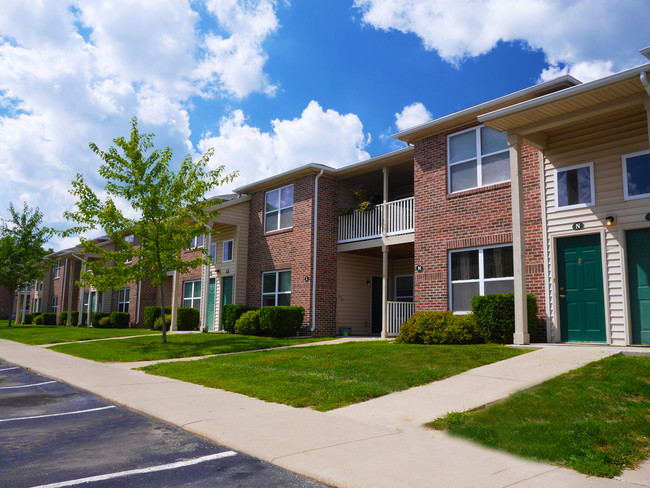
[
  {"x": 171, "y": 210},
  {"x": 22, "y": 255}
]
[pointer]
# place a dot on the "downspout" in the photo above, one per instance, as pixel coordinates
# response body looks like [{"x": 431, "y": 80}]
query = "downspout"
[
  {"x": 65, "y": 275},
  {"x": 313, "y": 271},
  {"x": 137, "y": 312},
  {"x": 645, "y": 82}
]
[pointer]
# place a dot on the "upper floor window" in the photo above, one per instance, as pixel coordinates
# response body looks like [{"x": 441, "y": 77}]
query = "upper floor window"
[
  {"x": 213, "y": 252},
  {"x": 55, "y": 304},
  {"x": 228, "y": 250},
  {"x": 574, "y": 186},
  {"x": 196, "y": 242},
  {"x": 636, "y": 175},
  {"x": 278, "y": 209},
  {"x": 276, "y": 288},
  {"x": 477, "y": 157},
  {"x": 481, "y": 271},
  {"x": 123, "y": 299},
  {"x": 129, "y": 238},
  {"x": 57, "y": 268},
  {"x": 192, "y": 294}
]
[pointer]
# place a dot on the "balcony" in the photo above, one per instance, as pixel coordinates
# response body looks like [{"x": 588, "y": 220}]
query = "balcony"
[
  {"x": 359, "y": 226},
  {"x": 398, "y": 313}
]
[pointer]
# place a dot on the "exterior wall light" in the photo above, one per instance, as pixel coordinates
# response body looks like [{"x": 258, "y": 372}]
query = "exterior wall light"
[
  {"x": 368, "y": 283},
  {"x": 610, "y": 220}
]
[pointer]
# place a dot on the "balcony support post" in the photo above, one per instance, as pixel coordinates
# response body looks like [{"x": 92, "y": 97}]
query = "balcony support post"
[{"x": 384, "y": 291}]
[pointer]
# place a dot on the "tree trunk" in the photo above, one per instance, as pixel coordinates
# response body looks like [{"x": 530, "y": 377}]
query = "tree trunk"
[{"x": 162, "y": 314}]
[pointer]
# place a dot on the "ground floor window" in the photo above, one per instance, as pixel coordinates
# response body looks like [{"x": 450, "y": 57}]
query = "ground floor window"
[
  {"x": 123, "y": 299},
  {"x": 404, "y": 288},
  {"x": 37, "y": 305},
  {"x": 276, "y": 288},
  {"x": 55, "y": 304},
  {"x": 192, "y": 294},
  {"x": 480, "y": 271}
]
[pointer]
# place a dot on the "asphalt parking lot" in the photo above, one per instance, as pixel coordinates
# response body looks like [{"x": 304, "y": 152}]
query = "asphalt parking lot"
[{"x": 53, "y": 435}]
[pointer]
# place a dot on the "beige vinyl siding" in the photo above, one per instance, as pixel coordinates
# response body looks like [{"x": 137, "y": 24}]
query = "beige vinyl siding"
[
  {"x": 602, "y": 142},
  {"x": 354, "y": 296},
  {"x": 398, "y": 267}
]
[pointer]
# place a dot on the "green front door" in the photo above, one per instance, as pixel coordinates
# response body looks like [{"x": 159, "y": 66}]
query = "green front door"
[
  {"x": 580, "y": 289},
  {"x": 226, "y": 291},
  {"x": 210, "y": 318},
  {"x": 638, "y": 272}
]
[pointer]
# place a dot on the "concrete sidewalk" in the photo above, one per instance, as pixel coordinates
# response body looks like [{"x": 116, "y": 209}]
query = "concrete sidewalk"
[{"x": 379, "y": 443}]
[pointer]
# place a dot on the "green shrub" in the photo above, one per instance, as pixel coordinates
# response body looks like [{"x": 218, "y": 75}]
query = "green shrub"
[
  {"x": 248, "y": 323},
  {"x": 104, "y": 323},
  {"x": 157, "y": 325},
  {"x": 63, "y": 318},
  {"x": 152, "y": 313},
  {"x": 38, "y": 320},
  {"x": 49, "y": 318},
  {"x": 281, "y": 321},
  {"x": 97, "y": 316},
  {"x": 495, "y": 316},
  {"x": 231, "y": 313},
  {"x": 439, "y": 327},
  {"x": 187, "y": 318},
  {"x": 120, "y": 320},
  {"x": 29, "y": 318}
]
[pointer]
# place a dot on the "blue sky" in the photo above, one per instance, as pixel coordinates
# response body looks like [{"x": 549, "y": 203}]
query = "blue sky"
[{"x": 272, "y": 84}]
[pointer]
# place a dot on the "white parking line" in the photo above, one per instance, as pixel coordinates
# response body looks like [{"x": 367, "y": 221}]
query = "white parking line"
[
  {"x": 59, "y": 414},
  {"x": 152, "y": 469},
  {"x": 8, "y": 369},
  {"x": 26, "y": 386}
]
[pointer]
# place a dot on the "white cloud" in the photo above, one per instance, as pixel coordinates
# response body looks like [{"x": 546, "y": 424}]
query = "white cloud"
[
  {"x": 317, "y": 136},
  {"x": 584, "y": 35},
  {"x": 412, "y": 115}
]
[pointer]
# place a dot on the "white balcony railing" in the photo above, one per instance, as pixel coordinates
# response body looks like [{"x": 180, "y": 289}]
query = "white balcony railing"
[
  {"x": 398, "y": 313},
  {"x": 358, "y": 226}
]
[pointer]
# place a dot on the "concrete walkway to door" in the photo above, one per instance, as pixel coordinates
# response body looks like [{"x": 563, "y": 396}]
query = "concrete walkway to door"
[{"x": 379, "y": 443}]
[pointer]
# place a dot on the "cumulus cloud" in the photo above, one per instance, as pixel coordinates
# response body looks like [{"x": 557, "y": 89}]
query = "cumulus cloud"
[
  {"x": 412, "y": 115},
  {"x": 73, "y": 72},
  {"x": 580, "y": 37},
  {"x": 317, "y": 136}
]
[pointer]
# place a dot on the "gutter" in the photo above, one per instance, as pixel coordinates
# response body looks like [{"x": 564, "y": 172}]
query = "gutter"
[
  {"x": 644, "y": 81},
  {"x": 313, "y": 272}
]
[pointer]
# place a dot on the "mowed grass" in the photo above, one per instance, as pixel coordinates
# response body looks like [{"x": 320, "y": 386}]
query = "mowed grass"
[
  {"x": 51, "y": 334},
  {"x": 178, "y": 346},
  {"x": 328, "y": 377},
  {"x": 595, "y": 419}
]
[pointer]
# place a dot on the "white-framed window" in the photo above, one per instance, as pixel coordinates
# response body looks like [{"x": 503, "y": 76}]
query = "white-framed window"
[
  {"x": 636, "y": 175},
  {"x": 228, "y": 247},
  {"x": 278, "y": 209},
  {"x": 55, "y": 304},
  {"x": 477, "y": 157},
  {"x": 129, "y": 238},
  {"x": 57, "y": 268},
  {"x": 192, "y": 294},
  {"x": 213, "y": 252},
  {"x": 479, "y": 271},
  {"x": 123, "y": 299},
  {"x": 574, "y": 186},
  {"x": 37, "y": 305},
  {"x": 276, "y": 288},
  {"x": 404, "y": 288},
  {"x": 196, "y": 242}
]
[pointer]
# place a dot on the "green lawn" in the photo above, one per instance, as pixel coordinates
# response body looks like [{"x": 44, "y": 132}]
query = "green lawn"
[
  {"x": 178, "y": 346},
  {"x": 328, "y": 377},
  {"x": 595, "y": 419},
  {"x": 50, "y": 334}
]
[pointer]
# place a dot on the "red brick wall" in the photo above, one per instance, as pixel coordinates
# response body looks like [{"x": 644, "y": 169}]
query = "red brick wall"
[
  {"x": 293, "y": 249},
  {"x": 473, "y": 218}
]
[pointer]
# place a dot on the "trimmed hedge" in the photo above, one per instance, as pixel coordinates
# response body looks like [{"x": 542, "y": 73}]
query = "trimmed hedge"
[
  {"x": 97, "y": 317},
  {"x": 120, "y": 320},
  {"x": 439, "y": 327},
  {"x": 105, "y": 323},
  {"x": 495, "y": 316},
  {"x": 187, "y": 318},
  {"x": 38, "y": 320},
  {"x": 48, "y": 318},
  {"x": 29, "y": 318},
  {"x": 157, "y": 325},
  {"x": 63, "y": 317},
  {"x": 248, "y": 323},
  {"x": 281, "y": 321},
  {"x": 152, "y": 313},
  {"x": 231, "y": 313}
]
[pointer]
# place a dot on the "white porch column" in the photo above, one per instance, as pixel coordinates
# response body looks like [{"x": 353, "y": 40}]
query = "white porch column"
[
  {"x": 518, "y": 242},
  {"x": 17, "y": 306},
  {"x": 24, "y": 307},
  {"x": 172, "y": 326},
  {"x": 205, "y": 284},
  {"x": 89, "y": 319},
  {"x": 384, "y": 224},
  {"x": 384, "y": 291},
  {"x": 70, "y": 290},
  {"x": 82, "y": 292}
]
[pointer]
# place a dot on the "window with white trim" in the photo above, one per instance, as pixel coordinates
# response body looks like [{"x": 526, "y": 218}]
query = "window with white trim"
[
  {"x": 57, "y": 268},
  {"x": 480, "y": 271},
  {"x": 192, "y": 294},
  {"x": 477, "y": 157},
  {"x": 276, "y": 288},
  {"x": 213, "y": 252},
  {"x": 228, "y": 250},
  {"x": 636, "y": 175},
  {"x": 574, "y": 186},
  {"x": 129, "y": 239},
  {"x": 278, "y": 209},
  {"x": 404, "y": 288},
  {"x": 196, "y": 242},
  {"x": 123, "y": 299},
  {"x": 55, "y": 304}
]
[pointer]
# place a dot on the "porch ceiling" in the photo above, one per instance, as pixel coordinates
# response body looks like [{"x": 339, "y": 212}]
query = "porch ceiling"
[{"x": 398, "y": 251}]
